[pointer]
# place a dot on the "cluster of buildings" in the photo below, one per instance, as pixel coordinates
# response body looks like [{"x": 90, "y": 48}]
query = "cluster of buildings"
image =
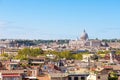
[
  {"x": 82, "y": 43},
  {"x": 85, "y": 43},
  {"x": 46, "y": 68},
  {"x": 42, "y": 68}
]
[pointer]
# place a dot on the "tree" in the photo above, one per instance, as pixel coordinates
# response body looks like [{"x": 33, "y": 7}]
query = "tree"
[
  {"x": 118, "y": 52},
  {"x": 112, "y": 76},
  {"x": 4, "y": 55},
  {"x": 77, "y": 56},
  {"x": 95, "y": 57},
  {"x": 103, "y": 52},
  {"x": 65, "y": 54},
  {"x": 24, "y": 53}
]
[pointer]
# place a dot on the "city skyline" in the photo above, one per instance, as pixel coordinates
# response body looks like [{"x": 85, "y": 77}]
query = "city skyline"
[{"x": 59, "y": 19}]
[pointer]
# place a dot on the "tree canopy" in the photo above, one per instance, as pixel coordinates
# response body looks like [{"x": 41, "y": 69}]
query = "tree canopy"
[{"x": 24, "y": 53}]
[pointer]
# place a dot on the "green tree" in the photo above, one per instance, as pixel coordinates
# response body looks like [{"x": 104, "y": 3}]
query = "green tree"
[
  {"x": 24, "y": 53},
  {"x": 4, "y": 55},
  {"x": 95, "y": 57},
  {"x": 113, "y": 76},
  {"x": 117, "y": 51},
  {"x": 103, "y": 52},
  {"x": 77, "y": 56},
  {"x": 65, "y": 54}
]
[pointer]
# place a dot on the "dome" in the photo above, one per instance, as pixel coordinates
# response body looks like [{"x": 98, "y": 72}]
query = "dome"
[{"x": 84, "y": 36}]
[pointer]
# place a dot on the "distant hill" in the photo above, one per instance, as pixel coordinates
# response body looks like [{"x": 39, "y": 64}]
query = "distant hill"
[{"x": 33, "y": 42}]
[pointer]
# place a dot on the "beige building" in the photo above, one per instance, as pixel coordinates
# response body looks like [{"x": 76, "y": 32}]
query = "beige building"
[{"x": 114, "y": 44}]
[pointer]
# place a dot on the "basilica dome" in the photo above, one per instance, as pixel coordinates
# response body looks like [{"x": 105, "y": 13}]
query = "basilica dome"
[{"x": 84, "y": 36}]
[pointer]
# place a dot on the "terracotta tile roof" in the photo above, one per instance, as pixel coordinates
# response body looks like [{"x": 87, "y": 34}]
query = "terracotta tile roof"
[{"x": 107, "y": 67}]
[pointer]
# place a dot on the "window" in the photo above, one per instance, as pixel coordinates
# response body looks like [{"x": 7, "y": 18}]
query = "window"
[
  {"x": 69, "y": 78},
  {"x": 82, "y": 78},
  {"x": 98, "y": 77},
  {"x": 75, "y": 78}
]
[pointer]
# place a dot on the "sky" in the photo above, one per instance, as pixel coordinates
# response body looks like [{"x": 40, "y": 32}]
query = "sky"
[{"x": 59, "y": 19}]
